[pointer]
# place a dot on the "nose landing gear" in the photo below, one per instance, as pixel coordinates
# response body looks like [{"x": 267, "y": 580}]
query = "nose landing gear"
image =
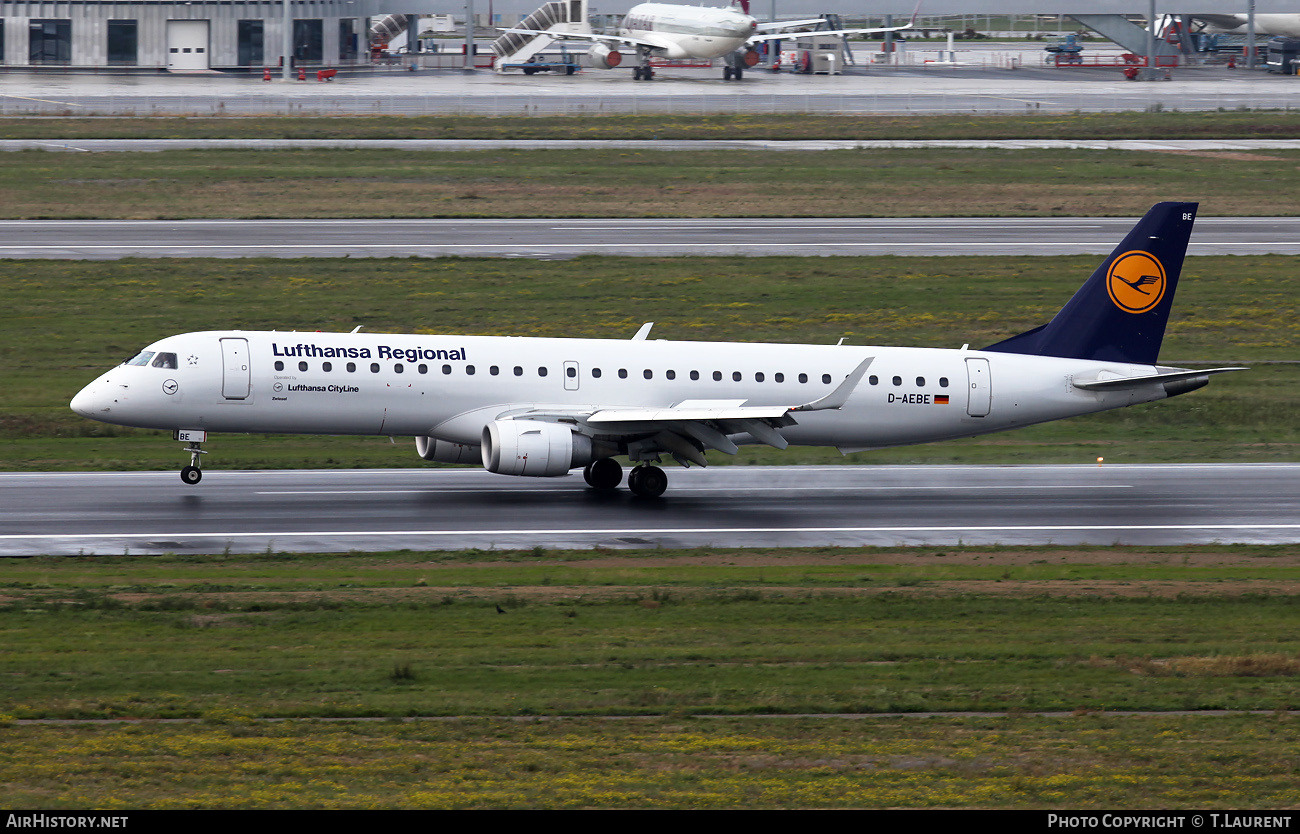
[{"x": 193, "y": 473}]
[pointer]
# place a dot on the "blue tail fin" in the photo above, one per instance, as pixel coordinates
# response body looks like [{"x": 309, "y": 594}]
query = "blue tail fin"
[{"x": 1120, "y": 313}]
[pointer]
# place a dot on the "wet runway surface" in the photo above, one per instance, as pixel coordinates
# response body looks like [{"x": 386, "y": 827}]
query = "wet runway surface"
[
  {"x": 981, "y": 81},
  {"x": 545, "y": 238},
  {"x": 735, "y": 506}
]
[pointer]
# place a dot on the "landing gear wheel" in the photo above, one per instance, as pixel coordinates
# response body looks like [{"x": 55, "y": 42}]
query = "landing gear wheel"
[
  {"x": 726, "y": 73},
  {"x": 603, "y": 474},
  {"x": 647, "y": 481},
  {"x": 191, "y": 475},
  {"x": 739, "y": 73},
  {"x": 636, "y": 73}
]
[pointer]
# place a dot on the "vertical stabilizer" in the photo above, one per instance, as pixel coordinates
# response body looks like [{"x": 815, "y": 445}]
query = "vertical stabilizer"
[{"x": 1120, "y": 313}]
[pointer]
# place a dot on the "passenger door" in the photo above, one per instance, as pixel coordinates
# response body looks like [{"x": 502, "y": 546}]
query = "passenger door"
[{"x": 236, "y": 376}]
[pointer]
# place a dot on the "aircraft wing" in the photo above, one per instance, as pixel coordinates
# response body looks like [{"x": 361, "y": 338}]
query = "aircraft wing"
[
  {"x": 786, "y": 36},
  {"x": 789, "y": 24},
  {"x": 610, "y": 40},
  {"x": 688, "y": 428}
]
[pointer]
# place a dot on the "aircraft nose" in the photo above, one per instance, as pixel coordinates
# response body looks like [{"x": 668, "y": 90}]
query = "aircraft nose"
[{"x": 90, "y": 401}]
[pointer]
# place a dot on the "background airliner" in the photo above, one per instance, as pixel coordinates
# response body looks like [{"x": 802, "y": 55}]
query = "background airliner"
[
  {"x": 663, "y": 30},
  {"x": 1265, "y": 24},
  {"x": 542, "y": 407}
]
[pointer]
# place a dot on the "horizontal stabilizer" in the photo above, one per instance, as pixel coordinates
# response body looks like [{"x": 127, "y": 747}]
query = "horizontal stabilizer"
[{"x": 1123, "y": 382}]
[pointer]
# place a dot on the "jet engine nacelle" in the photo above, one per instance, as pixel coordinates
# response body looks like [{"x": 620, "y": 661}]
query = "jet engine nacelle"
[
  {"x": 533, "y": 448},
  {"x": 604, "y": 57},
  {"x": 446, "y": 452},
  {"x": 744, "y": 58}
]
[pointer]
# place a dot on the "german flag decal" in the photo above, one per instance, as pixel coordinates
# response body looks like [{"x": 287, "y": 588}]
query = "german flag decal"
[{"x": 940, "y": 399}]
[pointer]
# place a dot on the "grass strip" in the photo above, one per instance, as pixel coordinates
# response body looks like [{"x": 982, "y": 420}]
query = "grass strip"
[
  {"x": 1090, "y": 761},
  {"x": 1167, "y": 124},
  {"x": 687, "y": 678},
  {"x": 636, "y": 183},
  {"x": 651, "y": 633}
]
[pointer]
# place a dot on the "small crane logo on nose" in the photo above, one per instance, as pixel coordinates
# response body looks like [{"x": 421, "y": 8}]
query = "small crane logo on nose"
[{"x": 170, "y": 387}]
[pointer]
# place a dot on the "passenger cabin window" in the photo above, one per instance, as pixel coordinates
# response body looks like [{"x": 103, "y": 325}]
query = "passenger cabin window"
[
  {"x": 758, "y": 377},
  {"x": 141, "y": 358},
  {"x": 779, "y": 377},
  {"x": 424, "y": 369},
  {"x": 717, "y": 376},
  {"x": 541, "y": 371},
  {"x": 670, "y": 374},
  {"x": 327, "y": 366},
  {"x": 826, "y": 379},
  {"x": 494, "y": 370},
  {"x": 446, "y": 369},
  {"x": 519, "y": 371},
  {"x": 374, "y": 367},
  {"x": 898, "y": 380},
  {"x": 397, "y": 368},
  {"x": 695, "y": 374},
  {"x": 943, "y": 382},
  {"x": 735, "y": 376},
  {"x": 469, "y": 370},
  {"x": 279, "y": 366},
  {"x": 622, "y": 373},
  {"x": 352, "y": 367},
  {"x": 803, "y": 377},
  {"x": 648, "y": 374},
  {"x": 920, "y": 382},
  {"x": 873, "y": 379},
  {"x": 302, "y": 366},
  {"x": 165, "y": 360},
  {"x": 595, "y": 373}
]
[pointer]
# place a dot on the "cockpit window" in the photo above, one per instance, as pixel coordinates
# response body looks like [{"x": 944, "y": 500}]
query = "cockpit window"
[
  {"x": 165, "y": 360},
  {"x": 141, "y": 358}
]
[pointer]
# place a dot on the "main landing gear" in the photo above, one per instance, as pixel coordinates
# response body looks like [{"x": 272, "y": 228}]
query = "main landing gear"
[
  {"x": 642, "y": 71},
  {"x": 730, "y": 72},
  {"x": 644, "y": 481},
  {"x": 647, "y": 481}
]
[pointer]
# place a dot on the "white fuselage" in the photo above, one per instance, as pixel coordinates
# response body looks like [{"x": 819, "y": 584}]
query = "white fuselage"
[
  {"x": 689, "y": 31},
  {"x": 1265, "y": 24},
  {"x": 451, "y": 387}
]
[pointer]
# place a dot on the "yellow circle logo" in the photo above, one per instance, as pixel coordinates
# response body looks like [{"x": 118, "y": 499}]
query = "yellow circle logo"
[{"x": 1136, "y": 281}]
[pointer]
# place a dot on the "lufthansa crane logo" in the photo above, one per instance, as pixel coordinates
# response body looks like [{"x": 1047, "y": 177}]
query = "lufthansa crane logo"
[{"x": 1136, "y": 281}]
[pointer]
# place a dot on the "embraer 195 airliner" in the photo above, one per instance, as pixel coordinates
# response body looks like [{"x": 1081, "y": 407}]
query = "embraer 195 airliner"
[{"x": 542, "y": 407}]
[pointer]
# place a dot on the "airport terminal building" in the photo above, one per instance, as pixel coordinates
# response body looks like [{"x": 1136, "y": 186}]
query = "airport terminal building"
[{"x": 180, "y": 36}]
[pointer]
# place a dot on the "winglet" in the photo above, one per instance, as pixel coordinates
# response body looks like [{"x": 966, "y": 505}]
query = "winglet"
[
  {"x": 644, "y": 332},
  {"x": 840, "y": 395}
]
